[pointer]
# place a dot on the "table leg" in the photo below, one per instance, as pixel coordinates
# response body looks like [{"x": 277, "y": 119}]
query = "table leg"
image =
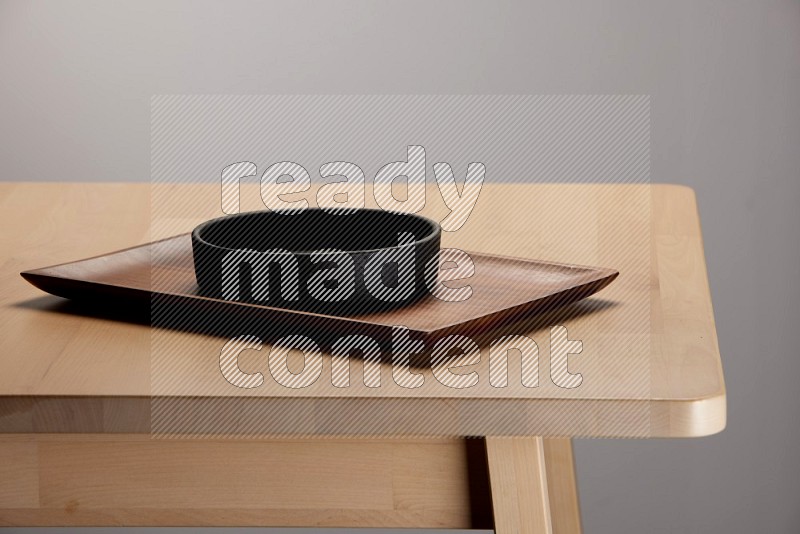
[{"x": 533, "y": 485}]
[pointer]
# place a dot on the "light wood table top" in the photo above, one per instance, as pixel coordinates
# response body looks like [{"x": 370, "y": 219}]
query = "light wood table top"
[{"x": 650, "y": 361}]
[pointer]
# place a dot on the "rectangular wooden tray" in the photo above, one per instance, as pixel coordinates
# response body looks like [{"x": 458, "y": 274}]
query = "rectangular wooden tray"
[{"x": 162, "y": 273}]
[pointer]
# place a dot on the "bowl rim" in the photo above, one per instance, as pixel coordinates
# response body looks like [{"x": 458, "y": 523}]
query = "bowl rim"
[{"x": 434, "y": 227}]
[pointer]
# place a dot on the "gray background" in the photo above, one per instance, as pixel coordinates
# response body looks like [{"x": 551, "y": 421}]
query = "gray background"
[{"x": 724, "y": 76}]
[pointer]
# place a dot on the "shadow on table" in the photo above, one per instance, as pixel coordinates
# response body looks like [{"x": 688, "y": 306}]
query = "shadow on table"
[{"x": 173, "y": 314}]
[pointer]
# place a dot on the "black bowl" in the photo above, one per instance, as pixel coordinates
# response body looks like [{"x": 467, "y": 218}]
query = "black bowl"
[{"x": 337, "y": 262}]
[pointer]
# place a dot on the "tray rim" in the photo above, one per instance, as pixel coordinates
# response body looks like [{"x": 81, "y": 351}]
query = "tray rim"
[{"x": 601, "y": 276}]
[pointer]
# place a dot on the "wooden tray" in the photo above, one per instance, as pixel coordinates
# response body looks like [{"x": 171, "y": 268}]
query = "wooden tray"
[{"x": 162, "y": 273}]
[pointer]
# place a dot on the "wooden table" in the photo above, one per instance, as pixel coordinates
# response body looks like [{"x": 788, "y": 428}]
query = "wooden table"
[{"x": 76, "y": 394}]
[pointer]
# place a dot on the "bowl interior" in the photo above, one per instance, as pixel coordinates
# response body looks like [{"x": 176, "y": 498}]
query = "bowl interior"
[{"x": 314, "y": 229}]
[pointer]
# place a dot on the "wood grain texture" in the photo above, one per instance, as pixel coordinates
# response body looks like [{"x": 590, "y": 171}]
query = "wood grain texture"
[
  {"x": 651, "y": 363},
  {"x": 562, "y": 486},
  {"x": 518, "y": 475},
  {"x": 71, "y": 480},
  {"x": 533, "y": 486}
]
